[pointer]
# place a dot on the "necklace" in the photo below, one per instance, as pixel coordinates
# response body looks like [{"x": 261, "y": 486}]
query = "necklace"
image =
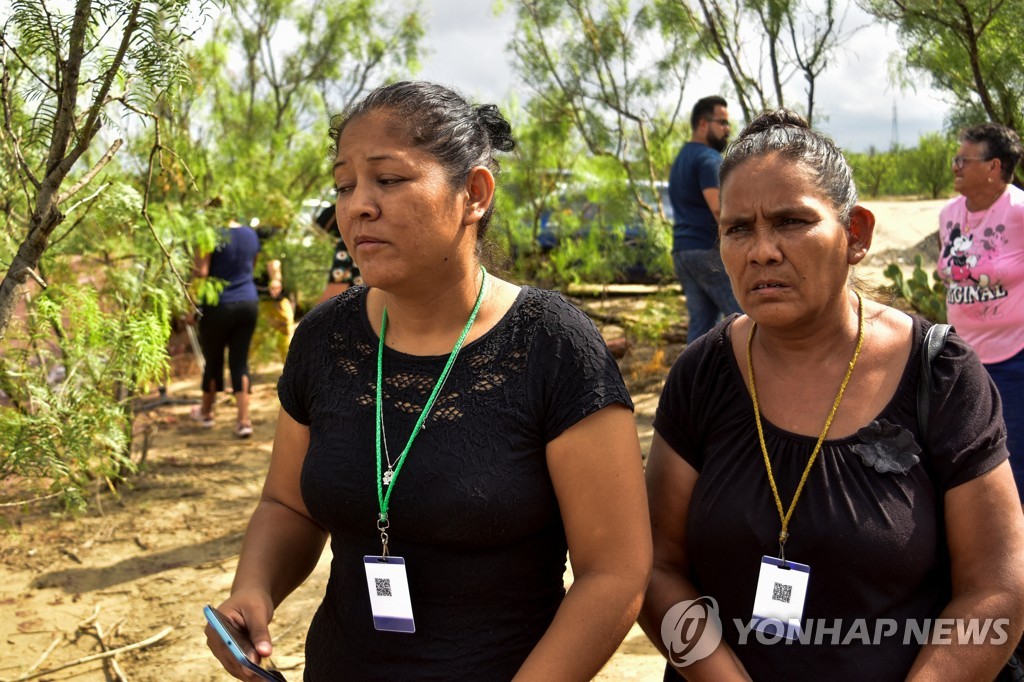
[
  {"x": 390, "y": 472},
  {"x": 967, "y": 227},
  {"x": 787, "y": 515},
  {"x": 389, "y": 476}
]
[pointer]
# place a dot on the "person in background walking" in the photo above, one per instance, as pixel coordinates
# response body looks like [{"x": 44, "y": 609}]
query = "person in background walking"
[
  {"x": 229, "y": 323},
  {"x": 276, "y": 307},
  {"x": 693, "y": 191},
  {"x": 981, "y": 261}
]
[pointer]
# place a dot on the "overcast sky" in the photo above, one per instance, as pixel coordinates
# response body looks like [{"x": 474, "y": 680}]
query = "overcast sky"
[{"x": 467, "y": 44}]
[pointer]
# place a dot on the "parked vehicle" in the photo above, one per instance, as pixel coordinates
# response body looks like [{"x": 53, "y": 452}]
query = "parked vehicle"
[{"x": 591, "y": 221}]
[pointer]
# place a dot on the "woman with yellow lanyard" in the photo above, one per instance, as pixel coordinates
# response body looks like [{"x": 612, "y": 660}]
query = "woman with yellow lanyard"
[{"x": 796, "y": 497}]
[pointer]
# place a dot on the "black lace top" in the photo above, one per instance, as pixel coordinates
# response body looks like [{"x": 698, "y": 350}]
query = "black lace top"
[
  {"x": 473, "y": 512},
  {"x": 869, "y": 521}
]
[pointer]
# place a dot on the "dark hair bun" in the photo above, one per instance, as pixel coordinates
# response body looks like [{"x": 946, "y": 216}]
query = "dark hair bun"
[
  {"x": 498, "y": 129},
  {"x": 777, "y": 118}
]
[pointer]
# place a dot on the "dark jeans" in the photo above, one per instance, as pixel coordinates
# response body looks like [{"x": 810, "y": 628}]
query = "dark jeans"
[
  {"x": 1008, "y": 376},
  {"x": 227, "y": 326},
  {"x": 706, "y": 287}
]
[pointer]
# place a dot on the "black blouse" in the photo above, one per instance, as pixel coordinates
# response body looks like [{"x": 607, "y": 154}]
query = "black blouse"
[
  {"x": 874, "y": 537},
  {"x": 473, "y": 511}
]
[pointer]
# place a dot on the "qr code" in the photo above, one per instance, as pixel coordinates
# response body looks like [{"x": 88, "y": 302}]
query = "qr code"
[
  {"x": 383, "y": 587},
  {"x": 780, "y": 592}
]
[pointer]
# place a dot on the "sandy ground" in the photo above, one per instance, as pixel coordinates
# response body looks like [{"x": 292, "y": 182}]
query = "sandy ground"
[
  {"x": 900, "y": 228},
  {"x": 141, "y": 564}
]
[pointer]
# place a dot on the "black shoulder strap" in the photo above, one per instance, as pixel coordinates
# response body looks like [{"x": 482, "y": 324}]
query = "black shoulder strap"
[{"x": 934, "y": 340}]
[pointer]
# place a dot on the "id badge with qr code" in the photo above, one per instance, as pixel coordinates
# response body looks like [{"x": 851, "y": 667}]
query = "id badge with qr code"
[
  {"x": 389, "y": 594},
  {"x": 779, "y": 598}
]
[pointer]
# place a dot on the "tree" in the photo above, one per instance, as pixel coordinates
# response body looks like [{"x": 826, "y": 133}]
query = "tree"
[
  {"x": 972, "y": 49},
  {"x": 532, "y": 180},
  {"x": 607, "y": 66},
  {"x": 813, "y": 43},
  {"x": 112, "y": 55},
  {"x": 871, "y": 170},
  {"x": 930, "y": 163},
  {"x": 108, "y": 102},
  {"x": 794, "y": 37},
  {"x": 287, "y": 89},
  {"x": 77, "y": 84},
  {"x": 255, "y": 132}
]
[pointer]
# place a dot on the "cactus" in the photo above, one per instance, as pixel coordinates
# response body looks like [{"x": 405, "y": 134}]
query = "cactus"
[{"x": 927, "y": 298}]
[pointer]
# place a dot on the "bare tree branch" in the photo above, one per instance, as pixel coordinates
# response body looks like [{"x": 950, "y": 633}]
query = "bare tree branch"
[
  {"x": 91, "y": 173},
  {"x": 154, "y": 154},
  {"x": 5, "y": 95},
  {"x": 25, "y": 64},
  {"x": 90, "y": 200},
  {"x": 92, "y": 123}
]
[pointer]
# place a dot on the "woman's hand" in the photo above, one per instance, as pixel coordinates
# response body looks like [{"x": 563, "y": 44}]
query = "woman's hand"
[
  {"x": 670, "y": 484},
  {"x": 250, "y": 612},
  {"x": 281, "y": 547}
]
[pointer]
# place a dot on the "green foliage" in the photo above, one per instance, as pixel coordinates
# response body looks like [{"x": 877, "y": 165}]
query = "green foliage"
[
  {"x": 660, "y": 313},
  {"x": 916, "y": 171},
  {"x": 207, "y": 290},
  {"x": 926, "y": 298},
  {"x": 973, "y": 50},
  {"x": 70, "y": 373},
  {"x": 262, "y": 149},
  {"x": 930, "y": 164},
  {"x": 873, "y": 171},
  {"x": 602, "y": 234},
  {"x": 305, "y": 252},
  {"x": 202, "y": 144},
  {"x": 583, "y": 61},
  {"x": 530, "y": 181},
  {"x": 583, "y": 259}
]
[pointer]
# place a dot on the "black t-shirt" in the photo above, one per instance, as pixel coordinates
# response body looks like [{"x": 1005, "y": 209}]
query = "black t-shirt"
[
  {"x": 473, "y": 511},
  {"x": 875, "y": 542}
]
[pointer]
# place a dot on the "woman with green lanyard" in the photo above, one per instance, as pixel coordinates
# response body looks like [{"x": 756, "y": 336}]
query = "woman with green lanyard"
[
  {"x": 795, "y": 492},
  {"x": 453, "y": 434}
]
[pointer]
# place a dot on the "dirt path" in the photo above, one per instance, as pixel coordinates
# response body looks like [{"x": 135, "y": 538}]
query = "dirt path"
[{"x": 150, "y": 560}]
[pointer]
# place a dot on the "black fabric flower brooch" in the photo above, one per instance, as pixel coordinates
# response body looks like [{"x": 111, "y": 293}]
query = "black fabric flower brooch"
[{"x": 887, "y": 447}]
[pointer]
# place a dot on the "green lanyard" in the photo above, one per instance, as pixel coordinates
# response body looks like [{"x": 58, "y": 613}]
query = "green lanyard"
[{"x": 382, "y": 499}]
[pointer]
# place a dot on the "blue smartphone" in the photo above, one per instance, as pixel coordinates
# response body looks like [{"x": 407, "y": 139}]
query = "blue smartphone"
[{"x": 238, "y": 644}]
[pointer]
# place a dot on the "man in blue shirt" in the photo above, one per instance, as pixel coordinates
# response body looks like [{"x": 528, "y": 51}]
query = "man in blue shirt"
[{"x": 693, "y": 191}]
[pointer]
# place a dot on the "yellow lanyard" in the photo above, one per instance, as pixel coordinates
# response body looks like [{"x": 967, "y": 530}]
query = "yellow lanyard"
[{"x": 785, "y": 516}]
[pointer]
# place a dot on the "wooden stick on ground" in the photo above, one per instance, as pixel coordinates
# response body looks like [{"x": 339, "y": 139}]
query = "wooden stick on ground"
[
  {"x": 96, "y": 657},
  {"x": 49, "y": 650},
  {"x": 118, "y": 673}
]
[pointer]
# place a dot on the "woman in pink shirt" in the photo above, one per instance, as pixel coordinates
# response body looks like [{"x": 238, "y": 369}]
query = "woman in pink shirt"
[{"x": 982, "y": 263}]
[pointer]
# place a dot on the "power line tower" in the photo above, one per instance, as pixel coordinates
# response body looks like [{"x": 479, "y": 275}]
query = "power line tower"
[{"x": 894, "y": 142}]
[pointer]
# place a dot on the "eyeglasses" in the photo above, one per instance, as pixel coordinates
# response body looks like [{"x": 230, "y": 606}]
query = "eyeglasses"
[
  {"x": 719, "y": 121},
  {"x": 959, "y": 161}
]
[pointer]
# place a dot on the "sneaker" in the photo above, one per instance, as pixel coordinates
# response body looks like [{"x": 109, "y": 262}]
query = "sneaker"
[
  {"x": 243, "y": 430},
  {"x": 204, "y": 420}
]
